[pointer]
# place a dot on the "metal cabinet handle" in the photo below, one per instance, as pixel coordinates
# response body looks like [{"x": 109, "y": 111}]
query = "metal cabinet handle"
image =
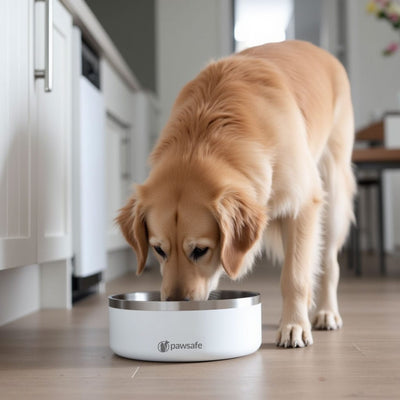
[{"x": 47, "y": 72}]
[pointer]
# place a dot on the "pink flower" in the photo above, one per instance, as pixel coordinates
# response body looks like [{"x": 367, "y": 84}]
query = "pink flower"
[
  {"x": 391, "y": 48},
  {"x": 393, "y": 17}
]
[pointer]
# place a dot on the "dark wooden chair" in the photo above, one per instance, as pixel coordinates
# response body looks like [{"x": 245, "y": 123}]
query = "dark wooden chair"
[{"x": 374, "y": 158}]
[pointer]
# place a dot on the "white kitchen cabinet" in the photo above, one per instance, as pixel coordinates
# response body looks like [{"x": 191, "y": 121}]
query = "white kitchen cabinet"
[
  {"x": 35, "y": 150},
  {"x": 120, "y": 117},
  {"x": 17, "y": 135},
  {"x": 35, "y": 132},
  {"x": 131, "y": 130},
  {"x": 118, "y": 177},
  {"x": 145, "y": 135},
  {"x": 54, "y": 121}
]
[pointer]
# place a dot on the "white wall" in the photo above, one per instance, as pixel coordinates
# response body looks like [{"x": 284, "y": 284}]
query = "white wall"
[
  {"x": 374, "y": 78},
  {"x": 307, "y": 20},
  {"x": 189, "y": 34}
]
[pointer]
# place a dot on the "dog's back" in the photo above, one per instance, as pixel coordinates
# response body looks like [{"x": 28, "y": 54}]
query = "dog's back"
[{"x": 319, "y": 83}]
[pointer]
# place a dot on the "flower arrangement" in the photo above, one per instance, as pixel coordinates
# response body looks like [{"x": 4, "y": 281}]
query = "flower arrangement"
[{"x": 390, "y": 11}]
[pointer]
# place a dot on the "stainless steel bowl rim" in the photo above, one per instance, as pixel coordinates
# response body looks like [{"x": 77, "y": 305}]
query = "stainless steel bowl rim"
[{"x": 150, "y": 301}]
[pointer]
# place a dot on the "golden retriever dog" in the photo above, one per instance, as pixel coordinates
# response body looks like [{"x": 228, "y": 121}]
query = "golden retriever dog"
[{"x": 257, "y": 146}]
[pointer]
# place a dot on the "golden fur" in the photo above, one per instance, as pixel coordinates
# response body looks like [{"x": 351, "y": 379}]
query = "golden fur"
[{"x": 258, "y": 143}]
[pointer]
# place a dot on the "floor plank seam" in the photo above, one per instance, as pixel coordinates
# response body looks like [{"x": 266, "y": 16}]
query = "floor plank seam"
[
  {"x": 135, "y": 372},
  {"x": 359, "y": 350}
]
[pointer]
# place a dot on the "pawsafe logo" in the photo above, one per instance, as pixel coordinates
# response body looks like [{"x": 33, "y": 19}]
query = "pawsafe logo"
[{"x": 165, "y": 346}]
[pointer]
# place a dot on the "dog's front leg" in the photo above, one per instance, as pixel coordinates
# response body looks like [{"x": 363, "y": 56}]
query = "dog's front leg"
[{"x": 301, "y": 241}]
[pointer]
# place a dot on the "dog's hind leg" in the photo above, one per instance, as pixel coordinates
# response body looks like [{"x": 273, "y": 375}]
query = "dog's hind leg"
[{"x": 338, "y": 213}]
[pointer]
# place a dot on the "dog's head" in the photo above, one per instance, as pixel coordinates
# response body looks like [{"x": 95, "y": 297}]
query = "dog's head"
[{"x": 195, "y": 229}]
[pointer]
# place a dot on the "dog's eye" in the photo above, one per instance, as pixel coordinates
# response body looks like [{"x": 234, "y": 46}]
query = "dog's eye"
[
  {"x": 160, "y": 251},
  {"x": 198, "y": 252}
]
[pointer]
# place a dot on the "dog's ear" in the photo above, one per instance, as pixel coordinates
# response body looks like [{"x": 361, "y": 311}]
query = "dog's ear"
[
  {"x": 133, "y": 226},
  {"x": 241, "y": 222}
]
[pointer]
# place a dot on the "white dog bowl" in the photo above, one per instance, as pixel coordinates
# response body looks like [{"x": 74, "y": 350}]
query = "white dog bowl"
[{"x": 225, "y": 326}]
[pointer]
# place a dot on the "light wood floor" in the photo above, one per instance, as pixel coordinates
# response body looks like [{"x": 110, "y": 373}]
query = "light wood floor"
[{"x": 65, "y": 355}]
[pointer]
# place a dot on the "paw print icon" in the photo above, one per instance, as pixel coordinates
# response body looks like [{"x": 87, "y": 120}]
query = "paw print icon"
[{"x": 163, "y": 346}]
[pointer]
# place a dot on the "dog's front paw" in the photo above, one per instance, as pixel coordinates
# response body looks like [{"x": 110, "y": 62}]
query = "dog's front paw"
[
  {"x": 294, "y": 335},
  {"x": 327, "y": 320}
]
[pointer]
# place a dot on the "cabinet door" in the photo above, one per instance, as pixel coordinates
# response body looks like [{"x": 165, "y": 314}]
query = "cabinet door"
[
  {"x": 118, "y": 178},
  {"x": 54, "y": 112},
  {"x": 17, "y": 127}
]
